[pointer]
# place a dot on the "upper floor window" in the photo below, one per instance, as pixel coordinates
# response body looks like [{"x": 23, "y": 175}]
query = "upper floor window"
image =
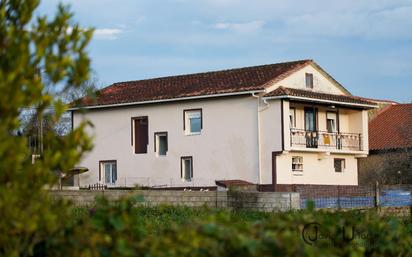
[
  {"x": 160, "y": 143},
  {"x": 309, "y": 80},
  {"x": 192, "y": 122},
  {"x": 331, "y": 121},
  {"x": 141, "y": 134},
  {"x": 292, "y": 117}
]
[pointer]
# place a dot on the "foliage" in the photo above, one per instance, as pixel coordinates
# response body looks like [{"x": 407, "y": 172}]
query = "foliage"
[
  {"x": 36, "y": 54},
  {"x": 121, "y": 229}
]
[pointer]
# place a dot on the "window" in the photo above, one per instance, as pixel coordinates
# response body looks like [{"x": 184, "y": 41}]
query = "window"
[
  {"x": 108, "y": 172},
  {"x": 193, "y": 122},
  {"x": 311, "y": 119},
  {"x": 292, "y": 119},
  {"x": 186, "y": 169},
  {"x": 331, "y": 121},
  {"x": 160, "y": 145},
  {"x": 339, "y": 164},
  {"x": 297, "y": 163},
  {"x": 309, "y": 80},
  {"x": 141, "y": 134}
]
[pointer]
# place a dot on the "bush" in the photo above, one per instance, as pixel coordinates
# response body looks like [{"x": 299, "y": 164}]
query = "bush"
[{"x": 123, "y": 230}]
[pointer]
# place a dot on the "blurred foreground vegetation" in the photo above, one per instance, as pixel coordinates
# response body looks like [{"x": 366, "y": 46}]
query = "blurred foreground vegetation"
[{"x": 122, "y": 229}]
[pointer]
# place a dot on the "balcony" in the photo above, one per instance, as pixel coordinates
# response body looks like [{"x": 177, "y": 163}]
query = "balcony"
[{"x": 300, "y": 138}]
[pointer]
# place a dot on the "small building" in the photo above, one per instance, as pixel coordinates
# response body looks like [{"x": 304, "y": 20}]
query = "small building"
[
  {"x": 390, "y": 147},
  {"x": 272, "y": 125}
]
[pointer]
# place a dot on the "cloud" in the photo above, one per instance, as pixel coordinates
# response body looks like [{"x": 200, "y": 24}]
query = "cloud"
[
  {"x": 107, "y": 33},
  {"x": 244, "y": 27}
]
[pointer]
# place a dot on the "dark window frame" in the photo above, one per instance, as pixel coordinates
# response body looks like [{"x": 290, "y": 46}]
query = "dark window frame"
[
  {"x": 301, "y": 163},
  {"x": 167, "y": 140},
  {"x": 342, "y": 166},
  {"x": 316, "y": 115},
  {"x": 100, "y": 168},
  {"x": 309, "y": 80},
  {"x": 193, "y": 110},
  {"x": 181, "y": 167},
  {"x": 133, "y": 131}
]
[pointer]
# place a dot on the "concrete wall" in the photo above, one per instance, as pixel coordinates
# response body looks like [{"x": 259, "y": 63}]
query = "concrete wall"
[
  {"x": 227, "y": 147},
  {"x": 268, "y": 201},
  {"x": 318, "y": 169}
]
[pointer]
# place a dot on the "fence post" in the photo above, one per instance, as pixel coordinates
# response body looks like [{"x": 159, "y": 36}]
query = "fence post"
[{"x": 377, "y": 195}]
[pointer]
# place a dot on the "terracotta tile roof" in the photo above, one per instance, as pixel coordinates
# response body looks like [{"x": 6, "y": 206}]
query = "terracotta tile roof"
[
  {"x": 391, "y": 128},
  {"x": 199, "y": 84},
  {"x": 284, "y": 91}
]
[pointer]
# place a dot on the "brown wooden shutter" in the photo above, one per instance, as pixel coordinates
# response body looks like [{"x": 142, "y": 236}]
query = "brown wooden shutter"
[{"x": 141, "y": 134}]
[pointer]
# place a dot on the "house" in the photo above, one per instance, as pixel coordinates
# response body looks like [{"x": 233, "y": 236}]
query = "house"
[
  {"x": 390, "y": 142},
  {"x": 271, "y": 125}
]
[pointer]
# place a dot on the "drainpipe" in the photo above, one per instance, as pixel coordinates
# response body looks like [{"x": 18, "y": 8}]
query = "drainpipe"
[{"x": 259, "y": 133}]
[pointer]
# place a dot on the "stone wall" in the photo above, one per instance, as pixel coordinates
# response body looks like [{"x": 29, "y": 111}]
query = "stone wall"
[{"x": 261, "y": 201}]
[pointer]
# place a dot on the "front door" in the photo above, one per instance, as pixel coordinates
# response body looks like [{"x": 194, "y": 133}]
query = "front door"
[{"x": 311, "y": 132}]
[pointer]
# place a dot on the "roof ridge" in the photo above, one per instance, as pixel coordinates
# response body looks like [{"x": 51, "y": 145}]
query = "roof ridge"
[{"x": 214, "y": 71}]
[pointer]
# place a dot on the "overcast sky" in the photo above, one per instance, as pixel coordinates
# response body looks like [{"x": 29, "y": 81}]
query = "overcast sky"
[{"x": 366, "y": 45}]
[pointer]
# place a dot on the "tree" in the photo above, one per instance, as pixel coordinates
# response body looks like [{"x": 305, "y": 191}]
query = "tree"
[{"x": 31, "y": 50}]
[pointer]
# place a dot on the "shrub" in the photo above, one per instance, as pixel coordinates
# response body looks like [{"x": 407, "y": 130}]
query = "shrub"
[{"x": 121, "y": 229}]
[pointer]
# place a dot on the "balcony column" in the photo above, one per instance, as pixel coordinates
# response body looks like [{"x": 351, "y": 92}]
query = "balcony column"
[{"x": 286, "y": 125}]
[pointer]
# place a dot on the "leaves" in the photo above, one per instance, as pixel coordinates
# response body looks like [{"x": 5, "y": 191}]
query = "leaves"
[{"x": 36, "y": 54}]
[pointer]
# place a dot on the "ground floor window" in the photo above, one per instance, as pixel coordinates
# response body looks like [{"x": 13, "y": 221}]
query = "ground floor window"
[
  {"x": 297, "y": 163},
  {"x": 339, "y": 164},
  {"x": 108, "y": 172},
  {"x": 186, "y": 168}
]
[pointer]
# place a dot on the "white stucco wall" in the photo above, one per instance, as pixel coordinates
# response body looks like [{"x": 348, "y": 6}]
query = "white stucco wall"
[
  {"x": 226, "y": 149},
  {"x": 298, "y": 80},
  {"x": 237, "y": 140},
  {"x": 271, "y": 137},
  {"x": 317, "y": 169}
]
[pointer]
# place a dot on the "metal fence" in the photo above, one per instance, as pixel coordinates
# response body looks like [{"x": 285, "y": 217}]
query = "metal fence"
[
  {"x": 355, "y": 196},
  {"x": 153, "y": 182}
]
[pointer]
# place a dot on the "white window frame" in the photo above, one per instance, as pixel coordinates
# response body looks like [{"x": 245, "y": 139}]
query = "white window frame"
[
  {"x": 157, "y": 136},
  {"x": 183, "y": 168},
  {"x": 113, "y": 178},
  {"x": 297, "y": 162},
  {"x": 190, "y": 114},
  {"x": 331, "y": 116}
]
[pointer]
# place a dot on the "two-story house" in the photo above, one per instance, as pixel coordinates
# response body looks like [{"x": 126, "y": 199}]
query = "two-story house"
[{"x": 271, "y": 125}]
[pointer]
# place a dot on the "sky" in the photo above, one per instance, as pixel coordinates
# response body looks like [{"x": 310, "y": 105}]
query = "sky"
[{"x": 366, "y": 45}]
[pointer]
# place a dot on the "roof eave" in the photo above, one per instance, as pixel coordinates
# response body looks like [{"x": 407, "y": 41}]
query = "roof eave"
[
  {"x": 164, "y": 100},
  {"x": 309, "y": 99}
]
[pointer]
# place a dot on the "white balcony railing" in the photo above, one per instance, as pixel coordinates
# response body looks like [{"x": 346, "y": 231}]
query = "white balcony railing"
[{"x": 325, "y": 140}]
